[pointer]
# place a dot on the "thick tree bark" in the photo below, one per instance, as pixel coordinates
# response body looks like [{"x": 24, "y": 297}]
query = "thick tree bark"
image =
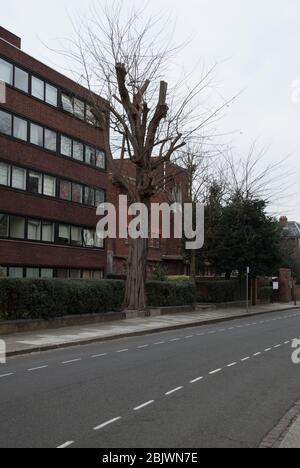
[{"x": 135, "y": 294}]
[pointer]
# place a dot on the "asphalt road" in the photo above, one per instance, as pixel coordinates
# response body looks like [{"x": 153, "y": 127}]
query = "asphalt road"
[{"x": 224, "y": 385}]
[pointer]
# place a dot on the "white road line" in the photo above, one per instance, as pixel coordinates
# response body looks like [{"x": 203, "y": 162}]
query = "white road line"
[
  {"x": 99, "y": 355},
  {"x": 267, "y": 350},
  {"x": 196, "y": 380},
  {"x": 71, "y": 362},
  {"x": 107, "y": 423},
  {"x": 287, "y": 342},
  {"x": 122, "y": 351},
  {"x": 142, "y": 347},
  {"x": 215, "y": 371},
  {"x": 245, "y": 359},
  {"x": 37, "y": 368},
  {"x": 159, "y": 343},
  {"x": 173, "y": 391},
  {"x": 66, "y": 445},
  {"x": 175, "y": 339},
  {"x": 138, "y": 408},
  {"x": 6, "y": 375},
  {"x": 232, "y": 364},
  {"x": 277, "y": 346},
  {"x": 257, "y": 354}
]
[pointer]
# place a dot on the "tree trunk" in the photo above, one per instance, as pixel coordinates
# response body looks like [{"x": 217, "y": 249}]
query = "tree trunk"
[{"x": 135, "y": 294}]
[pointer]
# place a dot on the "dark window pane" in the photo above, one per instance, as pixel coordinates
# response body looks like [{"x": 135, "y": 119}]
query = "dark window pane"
[
  {"x": 37, "y": 88},
  {"x": 89, "y": 196},
  {"x": 32, "y": 273},
  {"x": 62, "y": 273},
  {"x": 65, "y": 190},
  {"x": 3, "y": 225},
  {"x": 77, "y": 193},
  {"x": 3, "y": 272},
  {"x": 20, "y": 129},
  {"x": 99, "y": 197},
  {"x": 88, "y": 238},
  {"x": 50, "y": 140},
  {"x": 15, "y": 272},
  {"x": 36, "y": 135},
  {"x": 79, "y": 109},
  {"x": 66, "y": 146},
  {"x": 17, "y": 227},
  {"x": 76, "y": 236},
  {"x": 49, "y": 186},
  {"x": 67, "y": 103},
  {"x": 21, "y": 80},
  {"x": 46, "y": 273},
  {"x": 51, "y": 95},
  {"x": 35, "y": 182},
  {"x": 5, "y": 123},
  {"x": 90, "y": 155},
  {"x": 75, "y": 274},
  {"x": 6, "y": 72},
  {"x": 4, "y": 174}
]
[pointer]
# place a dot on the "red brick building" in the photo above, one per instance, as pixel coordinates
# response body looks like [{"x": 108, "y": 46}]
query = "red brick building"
[{"x": 53, "y": 174}]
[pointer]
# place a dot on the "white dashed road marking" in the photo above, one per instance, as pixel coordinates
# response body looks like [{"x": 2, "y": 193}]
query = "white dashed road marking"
[
  {"x": 215, "y": 371},
  {"x": 196, "y": 380},
  {"x": 175, "y": 390},
  {"x": 148, "y": 403},
  {"x": 66, "y": 445},
  {"x": 107, "y": 423},
  {"x": 6, "y": 375},
  {"x": 37, "y": 368},
  {"x": 72, "y": 361}
]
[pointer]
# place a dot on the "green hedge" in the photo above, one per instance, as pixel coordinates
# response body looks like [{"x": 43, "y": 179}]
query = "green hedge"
[
  {"x": 170, "y": 293},
  {"x": 44, "y": 298},
  {"x": 219, "y": 291}
]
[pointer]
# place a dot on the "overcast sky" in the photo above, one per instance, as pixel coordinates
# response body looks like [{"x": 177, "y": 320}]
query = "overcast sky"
[{"x": 256, "y": 43}]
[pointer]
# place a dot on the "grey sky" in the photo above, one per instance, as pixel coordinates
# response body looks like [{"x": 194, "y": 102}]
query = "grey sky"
[{"x": 256, "y": 43}]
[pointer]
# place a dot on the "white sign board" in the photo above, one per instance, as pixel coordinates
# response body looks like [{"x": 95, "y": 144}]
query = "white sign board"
[{"x": 276, "y": 286}]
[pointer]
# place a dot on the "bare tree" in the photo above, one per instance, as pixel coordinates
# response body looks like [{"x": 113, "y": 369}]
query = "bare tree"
[{"x": 124, "y": 58}]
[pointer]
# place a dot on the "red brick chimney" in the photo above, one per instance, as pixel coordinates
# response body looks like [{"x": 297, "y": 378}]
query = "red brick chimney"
[
  {"x": 10, "y": 37},
  {"x": 283, "y": 221}
]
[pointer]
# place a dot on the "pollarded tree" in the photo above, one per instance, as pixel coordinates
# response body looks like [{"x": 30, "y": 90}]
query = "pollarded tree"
[{"x": 123, "y": 58}]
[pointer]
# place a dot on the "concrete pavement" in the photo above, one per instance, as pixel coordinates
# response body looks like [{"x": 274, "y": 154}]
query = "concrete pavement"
[
  {"x": 24, "y": 343},
  {"x": 220, "y": 385}
]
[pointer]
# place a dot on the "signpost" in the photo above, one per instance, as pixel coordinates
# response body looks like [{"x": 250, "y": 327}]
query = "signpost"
[{"x": 247, "y": 289}]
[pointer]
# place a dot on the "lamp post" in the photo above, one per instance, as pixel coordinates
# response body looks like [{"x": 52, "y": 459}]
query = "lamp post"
[{"x": 247, "y": 289}]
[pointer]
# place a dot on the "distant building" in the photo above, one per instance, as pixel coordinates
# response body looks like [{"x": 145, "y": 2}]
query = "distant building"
[{"x": 292, "y": 230}]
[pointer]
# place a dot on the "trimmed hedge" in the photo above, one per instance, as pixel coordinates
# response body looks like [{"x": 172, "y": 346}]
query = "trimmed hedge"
[
  {"x": 219, "y": 291},
  {"x": 22, "y": 299},
  {"x": 170, "y": 293}
]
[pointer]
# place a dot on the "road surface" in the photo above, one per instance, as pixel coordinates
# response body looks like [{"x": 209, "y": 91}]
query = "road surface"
[{"x": 223, "y": 385}]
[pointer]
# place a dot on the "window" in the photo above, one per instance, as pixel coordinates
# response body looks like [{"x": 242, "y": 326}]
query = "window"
[
  {"x": 75, "y": 274},
  {"x": 47, "y": 232},
  {"x": 88, "y": 238},
  {"x": 34, "y": 230},
  {"x": 6, "y": 72},
  {"x": 78, "y": 150},
  {"x": 90, "y": 117},
  {"x": 47, "y": 273},
  {"x": 3, "y": 225},
  {"x": 89, "y": 196},
  {"x": 35, "y": 182},
  {"x": 98, "y": 241},
  {"x": 36, "y": 135},
  {"x": 62, "y": 273},
  {"x": 98, "y": 275},
  {"x": 90, "y": 155},
  {"x": 15, "y": 272},
  {"x": 66, "y": 146},
  {"x": 4, "y": 174},
  {"x": 38, "y": 88},
  {"x": 87, "y": 274},
  {"x": 99, "y": 197},
  {"x": 5, "y": 123},
  {"x": 100, "y": 159},
  {"x": 3, "y": 272},
  {"x": 51, "y": 95},
  {"x": 76, "y": 236},
  {"x": 77, "y": 193},
  {"x": 79, "y": 109},
  {"x": 21, "y": 80},
  {"x": 63, "y": 234},
  {"x": 20, "y": 129},
  {"x": 67, "y": 103},
  {"x": 49, "y": 186},
  {"x": 32, "y": 272},
  {"x": 17, "y": 227},
  {"x": 50, "y": 140},
  {"x": 65, "y": 190},
  {"x": 18, "y": 178}
]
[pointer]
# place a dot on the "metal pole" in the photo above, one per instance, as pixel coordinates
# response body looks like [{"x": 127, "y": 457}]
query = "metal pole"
[{"x": 247, "y": 289}]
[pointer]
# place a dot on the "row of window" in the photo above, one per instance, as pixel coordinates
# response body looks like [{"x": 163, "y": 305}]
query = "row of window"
[
  {"x": 23, "y": 81},
  {"x": 18, "y": 227},
  {"x": 43, "y": 184},
  {"x": 37, "y": 272},
  {"x": 50, "y": 140}
]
